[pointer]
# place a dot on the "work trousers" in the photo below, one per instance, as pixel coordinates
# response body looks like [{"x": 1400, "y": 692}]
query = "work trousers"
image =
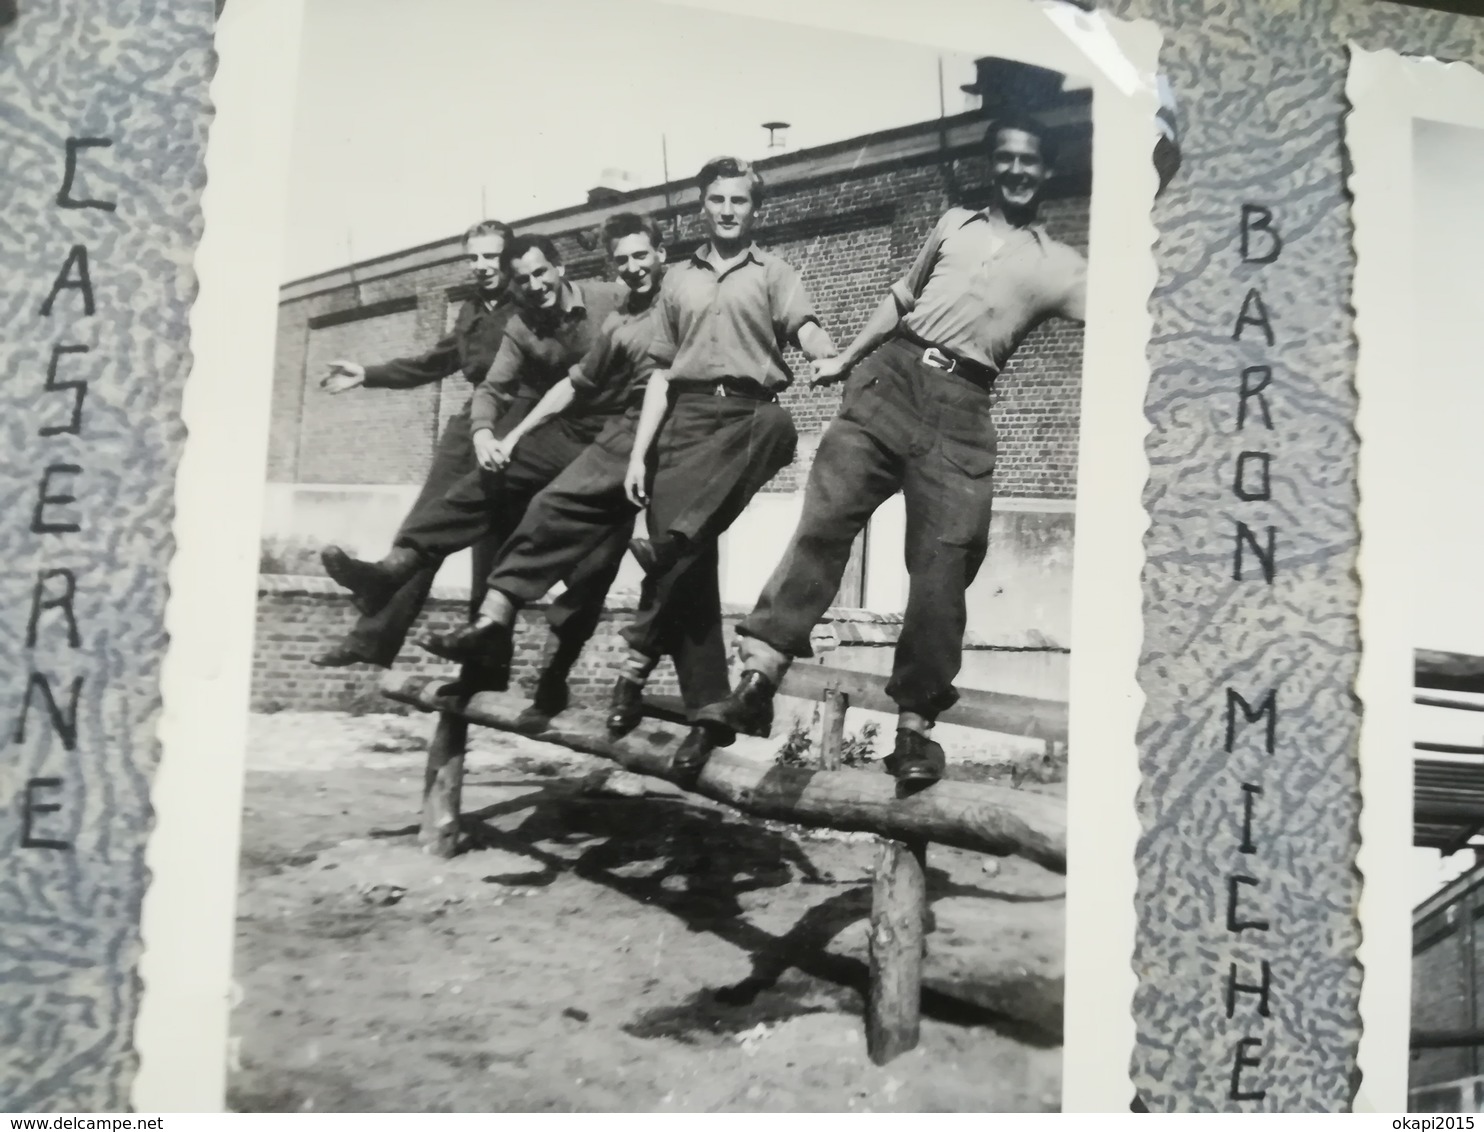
[
  {"x": 380, "y": 637},
  {"x": 482, "y": 503},
  {"x": 909, "y": 427},
  {"x": 711, "y": 456}
]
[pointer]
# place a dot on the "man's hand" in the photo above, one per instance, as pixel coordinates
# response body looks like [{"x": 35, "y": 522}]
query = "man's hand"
[
  {"x": 827, "y": 371},
  {"x": 489, "y": 452},
  {"x": 343, "y": 376},
  {"x": 633, "y": 484},
  {"x": 505, "y": 448}
]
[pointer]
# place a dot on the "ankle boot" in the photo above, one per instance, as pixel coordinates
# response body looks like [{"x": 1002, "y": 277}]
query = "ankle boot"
[
  {"x": 748, "y": 707},
  {"x": 371, "y": 584},
  {"x": 625, "y": 706},
  {"x": 551, "y": 698},
  {"x": 655, "y": 556},
  {"x": 477, "y": 644},
  {"x": 916, "y": 760}
]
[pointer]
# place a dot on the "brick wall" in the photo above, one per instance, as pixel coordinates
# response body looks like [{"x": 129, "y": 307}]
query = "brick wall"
[
  {"x": 850, "y": 235},
  {"x": 299, "y": 616},
  {"x": 1442, "y": 964}
]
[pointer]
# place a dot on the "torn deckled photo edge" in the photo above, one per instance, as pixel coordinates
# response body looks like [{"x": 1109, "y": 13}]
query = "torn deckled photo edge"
[
  {"x": 572, "y": 930},
  {"x": 1415, "y": 137}
]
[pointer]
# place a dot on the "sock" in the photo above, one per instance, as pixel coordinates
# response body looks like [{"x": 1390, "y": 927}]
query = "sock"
[
  {"x": 911, "y": 721},
  {"x": 498, "y": 608},
  {"x": 637, "y": 666}
]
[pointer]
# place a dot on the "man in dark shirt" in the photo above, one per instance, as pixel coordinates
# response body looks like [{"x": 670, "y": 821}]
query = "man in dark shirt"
[
  {"x": 468, "y": 349},
  {"x": 710, "y": 435},
  {"x": 915, "y": 418},
  {"x": 537, "y": 395}
]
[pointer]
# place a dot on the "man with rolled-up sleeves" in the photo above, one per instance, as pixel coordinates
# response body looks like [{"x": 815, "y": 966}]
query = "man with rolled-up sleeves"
[
  {"x": 710, "y": 435},
  {"x": 915, "y": 418},
  {"x": 521, "y": 440}
]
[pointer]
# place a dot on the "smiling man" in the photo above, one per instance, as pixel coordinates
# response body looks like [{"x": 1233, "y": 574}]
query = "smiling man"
[
  {"x": 710, "y": 435},
  {"x": 543, "y": 395},
  {"x": 468, "y": 349},
  {"x": 915, "y": 418}
]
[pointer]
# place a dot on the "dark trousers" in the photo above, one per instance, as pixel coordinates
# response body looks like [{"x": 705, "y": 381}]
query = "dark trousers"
[
  {"x": 711, "y": 456},
  {"x": 903, "y": 426},
  {"x": 379, "y": 638},
  {"x": 481, "y": 504}
]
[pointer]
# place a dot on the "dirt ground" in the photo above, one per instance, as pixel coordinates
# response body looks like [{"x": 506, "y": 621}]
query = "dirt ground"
[{"x": 608, "y": 944}]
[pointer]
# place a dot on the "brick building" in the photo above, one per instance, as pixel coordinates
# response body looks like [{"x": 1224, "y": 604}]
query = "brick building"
[
  {"x": 851, "y": 216},
  {"x": 1447, "y": 977}
]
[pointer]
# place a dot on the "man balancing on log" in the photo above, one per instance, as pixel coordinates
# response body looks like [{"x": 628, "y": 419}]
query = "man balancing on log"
[
  {"x": 528, "y": 423},
  {"x": 915, "y": 418},
  {"x": 469, "y": 348},
  {"x": 710, "y": 435}
]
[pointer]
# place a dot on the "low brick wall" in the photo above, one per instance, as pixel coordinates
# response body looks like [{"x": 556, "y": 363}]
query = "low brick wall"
[{"x": 301, "y": 615}]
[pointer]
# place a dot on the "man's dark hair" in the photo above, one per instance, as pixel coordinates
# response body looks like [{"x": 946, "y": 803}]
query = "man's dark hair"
[
  {"x": 622, "y": 224},
  {"x": 719, "y": 167},
  {"x": 490, "y": 228},
  {"x": 1026, "y": 124},
  {"x": 520, "y": 245}
]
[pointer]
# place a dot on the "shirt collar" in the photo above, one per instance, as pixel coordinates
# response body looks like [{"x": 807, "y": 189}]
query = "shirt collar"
[
  {"x": 572, "y": 298},
  {"x": 631, "y": 303},
  {"x": 752, "y": 252},
  {"x": 1037, "y": 231}
]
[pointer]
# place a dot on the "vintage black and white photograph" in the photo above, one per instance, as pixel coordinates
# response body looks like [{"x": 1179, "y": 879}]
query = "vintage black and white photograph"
[
  {"x": 1445, "y": 540},
  {"x": 663, "y": 693},
  {"x": 1417, "y": 141}
]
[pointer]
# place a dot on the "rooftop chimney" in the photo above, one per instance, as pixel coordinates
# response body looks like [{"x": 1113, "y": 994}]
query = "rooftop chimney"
[
  {"x": 612, "y": 185},
  {"x": 1003, "y": 84}
]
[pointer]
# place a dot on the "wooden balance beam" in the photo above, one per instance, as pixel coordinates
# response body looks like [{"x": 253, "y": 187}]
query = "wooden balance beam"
[
  {"x": 978, "y": 816},
  {"x": 747, "y": 777}
]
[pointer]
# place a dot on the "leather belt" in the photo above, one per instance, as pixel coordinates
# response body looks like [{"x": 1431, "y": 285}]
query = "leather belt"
[
  {"x": 949, "y": 362},
  {"x": 742, "y": 387}
]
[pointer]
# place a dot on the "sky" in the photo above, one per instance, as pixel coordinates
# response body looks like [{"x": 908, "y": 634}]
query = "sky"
[
  {"x": 404, "y": 126},
  {"x": 1446, "y": 428}
]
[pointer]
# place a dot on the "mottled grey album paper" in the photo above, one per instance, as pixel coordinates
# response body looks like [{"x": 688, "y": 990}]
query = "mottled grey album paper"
[
  {"x": 1248, "y": 891},
  {"x": 104, "y": 114}
]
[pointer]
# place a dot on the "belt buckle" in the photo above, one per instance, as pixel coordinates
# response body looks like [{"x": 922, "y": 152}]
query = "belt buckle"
[
  {"x": 939, "y": 360},
  {"x": 721, "y": 389}
]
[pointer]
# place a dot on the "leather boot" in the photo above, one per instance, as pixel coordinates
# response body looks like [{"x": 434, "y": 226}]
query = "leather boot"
[
  {"x": 473, "y": 644},
  {"x": 371, "y": 584},
  {"x": 625, "y": 706},
  {"x": 655, "y": 556},
  {"x": 695, "y": 749},
  {"x": 748, "y": 707},
  {"x": 341, "y": 655},
  {"x": 551, "y": 699},
  {"x": 916, "y": 760},
  {"x": 491, "y": 674}
]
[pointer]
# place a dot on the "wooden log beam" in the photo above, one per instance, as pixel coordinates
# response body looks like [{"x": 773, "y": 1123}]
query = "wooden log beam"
[
  {"x": 898, "y": 911},
  {"x": 987, "y": 711},
  {"x": 1448, "y": 671},
  {"x": 976, "y": 816}
]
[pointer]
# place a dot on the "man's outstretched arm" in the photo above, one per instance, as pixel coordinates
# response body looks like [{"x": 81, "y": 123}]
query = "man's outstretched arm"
[{"x": 879, "y": 327}]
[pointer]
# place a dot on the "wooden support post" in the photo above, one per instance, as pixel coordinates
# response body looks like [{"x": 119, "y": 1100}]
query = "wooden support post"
[
  {"x": 832, "y": 728},
  {"x": 898, "y": 911},
  {"x": 443, "y": 786}
]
